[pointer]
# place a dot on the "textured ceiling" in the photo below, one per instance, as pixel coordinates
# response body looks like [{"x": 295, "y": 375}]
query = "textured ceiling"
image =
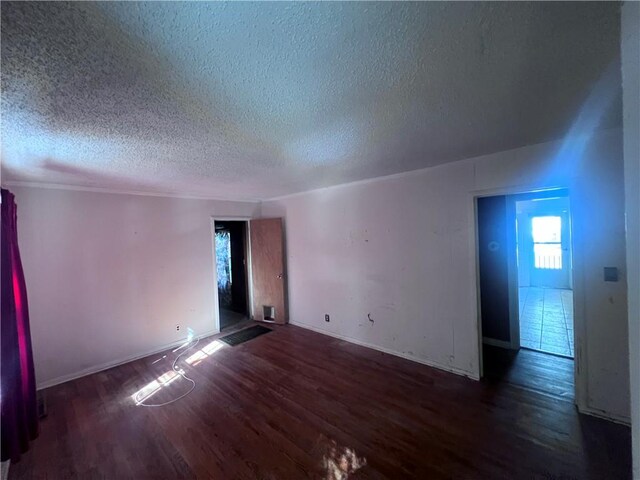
[{"x": 255, "y": 100}]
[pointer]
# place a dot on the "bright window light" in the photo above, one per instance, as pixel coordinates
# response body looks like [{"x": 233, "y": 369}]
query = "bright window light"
[
  {"x": 547, "y": 242},
  {"x": 546, "y": 229}
]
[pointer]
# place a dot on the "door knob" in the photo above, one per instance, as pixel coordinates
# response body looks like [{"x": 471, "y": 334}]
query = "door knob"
[{"x": 279, "y": 275}]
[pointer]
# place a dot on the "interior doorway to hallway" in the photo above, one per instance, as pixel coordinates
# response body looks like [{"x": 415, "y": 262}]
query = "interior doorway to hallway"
[
  {"x": 525, "y": 290},
  {"x": 231, "y": 267},
  {"x": 545, "y": 295}
]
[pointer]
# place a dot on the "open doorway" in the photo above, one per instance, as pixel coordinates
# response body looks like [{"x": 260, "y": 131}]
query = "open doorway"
[
  {"x": 231, "y": 267},
  {"x": 545, "y": 275},
  {"x": 525, "y": 290}
]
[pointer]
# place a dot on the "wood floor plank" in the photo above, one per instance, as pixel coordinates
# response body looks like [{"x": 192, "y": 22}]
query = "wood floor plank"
[{"x": 276, "y": 406}]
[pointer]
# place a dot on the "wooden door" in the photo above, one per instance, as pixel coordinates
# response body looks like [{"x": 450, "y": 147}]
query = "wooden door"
[{"x": 268, "y": 276}]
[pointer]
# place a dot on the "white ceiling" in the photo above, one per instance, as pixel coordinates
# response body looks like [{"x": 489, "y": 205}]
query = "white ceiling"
[{"x": 256, "y": 100}]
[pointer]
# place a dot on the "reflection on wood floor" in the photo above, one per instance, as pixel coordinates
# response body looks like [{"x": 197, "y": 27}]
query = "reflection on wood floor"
[{"x": 296, "y": 404}]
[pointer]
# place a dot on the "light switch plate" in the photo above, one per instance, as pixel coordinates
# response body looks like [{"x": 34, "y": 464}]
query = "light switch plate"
[{"x": 610, "y": 274}]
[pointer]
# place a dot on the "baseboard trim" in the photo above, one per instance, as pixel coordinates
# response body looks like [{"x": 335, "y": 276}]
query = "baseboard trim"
[
  {"x": 496, "y": 343},
  {"x": 123, "y": 191},
  {"x": 595, "y": 412},
  {"x": 4, "y": 469},
  {"x": 587, "y": 410},
  {"x": 105, "y": 366},
  {"x": 412, "y": 358}
]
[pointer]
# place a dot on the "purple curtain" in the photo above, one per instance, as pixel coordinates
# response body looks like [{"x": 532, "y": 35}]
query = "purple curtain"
[{"x": 18, "y": 395}]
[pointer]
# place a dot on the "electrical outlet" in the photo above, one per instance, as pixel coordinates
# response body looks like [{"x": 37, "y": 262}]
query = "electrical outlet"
[
  {"x": 177, "y": 328},
  {"x": 326, "y": 317}
]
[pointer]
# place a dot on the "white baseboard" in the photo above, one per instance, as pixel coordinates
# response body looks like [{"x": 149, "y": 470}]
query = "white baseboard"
[
  {"x": 4, "y": 472},
  {"x": 105, "y": 366},
  {"x": 114, "y": 363},
  {"x": 612, "y": 417},
  {"x": 496, "y": 343},
  {"x": 587, "y": 411},
  {"x": 413, "y": 358}
]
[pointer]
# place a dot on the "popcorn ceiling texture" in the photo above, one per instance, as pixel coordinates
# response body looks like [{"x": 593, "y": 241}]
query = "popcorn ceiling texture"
[{"x": 256, "y": 100}]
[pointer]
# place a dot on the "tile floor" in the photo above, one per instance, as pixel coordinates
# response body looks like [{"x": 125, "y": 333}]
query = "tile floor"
[{"x": 546, "y": 320}]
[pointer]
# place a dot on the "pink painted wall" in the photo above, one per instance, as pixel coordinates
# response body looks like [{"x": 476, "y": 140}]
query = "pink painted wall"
[
  {"x": 109, "y": 276},
  {"x": 402, "y": 249}
]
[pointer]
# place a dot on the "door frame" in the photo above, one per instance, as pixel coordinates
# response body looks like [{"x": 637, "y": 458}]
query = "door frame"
[
  {"x": 512, "y": 283},
  {"x": 578, "y": 286},
  {"x": 247, "y": 246}
]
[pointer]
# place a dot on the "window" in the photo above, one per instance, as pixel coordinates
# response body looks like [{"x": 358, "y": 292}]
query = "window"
[{"x": 547, "y": 242}]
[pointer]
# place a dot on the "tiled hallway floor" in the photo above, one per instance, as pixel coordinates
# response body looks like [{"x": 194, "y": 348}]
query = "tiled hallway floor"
[{"x": 546, "y": 320}]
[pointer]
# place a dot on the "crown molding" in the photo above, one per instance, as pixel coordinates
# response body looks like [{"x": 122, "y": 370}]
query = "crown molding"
[{"x": 115, "y": 191}]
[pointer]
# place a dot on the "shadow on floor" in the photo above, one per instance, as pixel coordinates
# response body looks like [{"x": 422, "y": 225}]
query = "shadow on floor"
[
  {"x": 531, "y": 370},
  {"x": 229, "y": 318}
]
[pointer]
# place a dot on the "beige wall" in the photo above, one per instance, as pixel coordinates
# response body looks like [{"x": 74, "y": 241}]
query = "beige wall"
[
  {"x": 110, "y": 276},
  {"x": 402, "y": 249}
]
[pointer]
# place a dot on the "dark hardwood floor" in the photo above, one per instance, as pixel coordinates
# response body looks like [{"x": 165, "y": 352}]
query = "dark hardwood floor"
[
  {"x": 292, "y": 403},
  {"x": 532, "y": 370}
]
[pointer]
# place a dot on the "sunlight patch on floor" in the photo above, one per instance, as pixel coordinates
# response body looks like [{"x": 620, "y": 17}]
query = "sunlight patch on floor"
[
  {"x": 204, "y": 352},
  {"x": 167, "y": 378},
  {"x": 154, "y": 387}
]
